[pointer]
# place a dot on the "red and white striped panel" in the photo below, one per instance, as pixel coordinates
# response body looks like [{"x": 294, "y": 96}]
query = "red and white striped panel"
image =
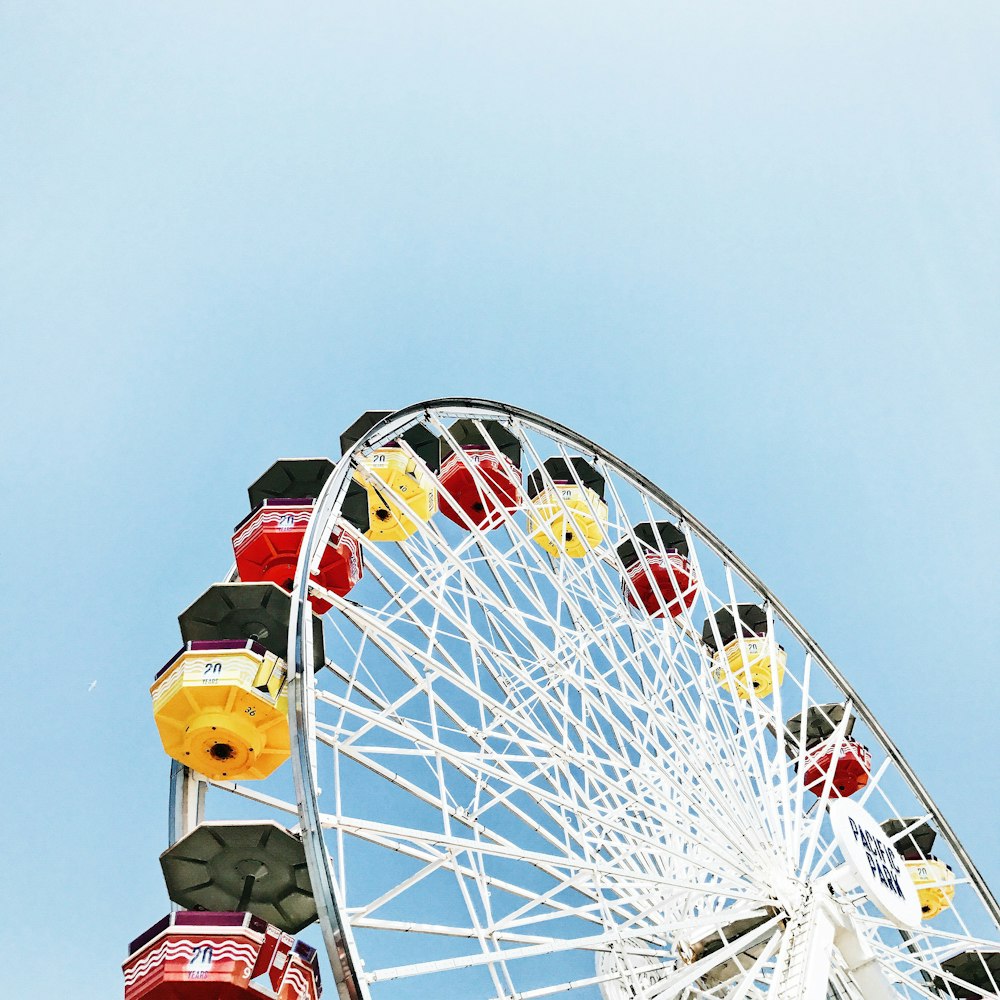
[{"x": 188, "y": 958}]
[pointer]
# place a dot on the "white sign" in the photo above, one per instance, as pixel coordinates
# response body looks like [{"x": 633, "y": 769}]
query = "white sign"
[{"x": 875, "y": 863}]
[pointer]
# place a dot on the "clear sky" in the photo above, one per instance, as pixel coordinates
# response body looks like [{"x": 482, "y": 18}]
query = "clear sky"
[{"x": 752, "y": 248}]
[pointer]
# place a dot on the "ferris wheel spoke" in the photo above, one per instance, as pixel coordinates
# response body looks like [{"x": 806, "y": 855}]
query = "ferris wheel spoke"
[
  {"x": 777, "y": 765},
  {"x": 875, "y": 781},
  {"x": 754, "y": 728},
  {"x": 799, "y": 819},
  {"x": 254, "y": 795},
  {"x": 746, "y": 980},
  {"x": 447, "y": 930},
  {"x": 904, "y": 969},
  {"x": 648, "y": 969},
  {"x": 469, "y": 818},
  {"x": 620, "y": 891},
  {"x": 686, "y": 975},
  {"x": 928, "y": 943},
  {"x": 555, "y": 909},
  {"x": 573, "y": 872},
  {"x": 635, "y": 841},
  {"x": 823, "y": 857},
  {"x": 501, "y": 711},
  {"x": 730, "y": 723},
  {"x": 596, "y": 942},
  {"x": 816, "y": 832}
]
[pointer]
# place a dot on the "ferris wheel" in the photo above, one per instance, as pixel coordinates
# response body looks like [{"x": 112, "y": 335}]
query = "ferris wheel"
[{"x": 548, "y": 736}]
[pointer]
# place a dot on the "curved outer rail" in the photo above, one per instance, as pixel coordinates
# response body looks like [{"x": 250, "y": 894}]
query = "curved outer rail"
[{"x": 336, "y": 933}]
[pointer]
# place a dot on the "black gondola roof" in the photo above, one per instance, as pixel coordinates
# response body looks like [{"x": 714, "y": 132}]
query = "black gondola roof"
[
  {"x": 291, "y": 478},
  {"x": 915, "y": 844},
  {"x": 662, "y": 534},
  {"x": 752, "y": 617},
  {"x": 259, "y": 867},
  {"x": 258, "y": 611},
  {"x": 424, "y": 444},
  {"x": 468, "y": 435},
  {"x": 560, "y": 472},
  {"x": 821, "y": 723},
  {"x": 980, "y": 969}
]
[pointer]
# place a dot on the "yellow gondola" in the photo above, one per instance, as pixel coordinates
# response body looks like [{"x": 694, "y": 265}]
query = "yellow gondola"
[
  {"x": 569, "y": 530},
  {"x": 221, "y": 708},
  {"x": 747, "y": 664},
  {"x": 743, "y": 666},
  {"x": 568, "y": 516},
  {"x": 402, "y": 495},
  {"x": 934, "y": 880},
  {"x": 402, "y": 490},
  {"x": 935, "y": 883}
]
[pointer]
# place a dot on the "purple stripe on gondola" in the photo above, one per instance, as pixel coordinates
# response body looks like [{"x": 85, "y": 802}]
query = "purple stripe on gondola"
[
  {"x": 147, "y": 936},
  {"x": 221, "y": 645},
  {"x": 309, "y": 956},
  {"x": 173, "y": 659},
  {"x": 306, "y": 952},
  {"x": 207, "y": 918}
]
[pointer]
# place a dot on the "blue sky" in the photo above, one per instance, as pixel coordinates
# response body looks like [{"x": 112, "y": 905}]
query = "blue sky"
[{"x": 751, "y": 248}]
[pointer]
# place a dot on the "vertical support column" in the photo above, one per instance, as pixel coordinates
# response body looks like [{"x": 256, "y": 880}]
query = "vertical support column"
[
  {"x": 187, "y": 802},
  {"x": 864, "y": 968},
  {"x": 803, "y": 967},
  {"x": 187, "y": 805}
]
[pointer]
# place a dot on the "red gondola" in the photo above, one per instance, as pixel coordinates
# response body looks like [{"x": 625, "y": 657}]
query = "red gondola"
[
  {"x": 668, "y": 583},
  {"x": 851, "y": 768},
  {"x": 267, "y": 543},
  {"x": 192, "y": 955},
  {"x": 851, "y": 763},
  {"x": 481, "y": 481}
]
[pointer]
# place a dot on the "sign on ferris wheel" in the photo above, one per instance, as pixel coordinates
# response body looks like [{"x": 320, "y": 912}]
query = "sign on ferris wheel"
[{"x": 876, "y": 864}]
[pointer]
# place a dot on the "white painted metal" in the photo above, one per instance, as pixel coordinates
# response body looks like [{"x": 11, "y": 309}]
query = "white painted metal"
[{"x": 506, "y": 771}]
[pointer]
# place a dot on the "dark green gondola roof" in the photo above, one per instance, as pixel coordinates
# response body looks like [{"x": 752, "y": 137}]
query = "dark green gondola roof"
[
  {"x": 821, "y": 723},
  {"x": 291, "y": 478},
  {"x": 653, "y": 537},
  {"x": 561, "y": 471},
  {"x": 424, "y": 444},
  {"x": 258, "y": 611},
  {"x": 468, "y": 435},
  {"x": 256, "y": 867},
  {"x": 915, "y": 844},
  {"x": 753, "y": 620}
]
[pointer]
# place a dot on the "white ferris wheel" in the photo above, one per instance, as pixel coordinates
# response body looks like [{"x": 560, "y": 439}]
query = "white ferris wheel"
[{"x": 553, "y": 738}]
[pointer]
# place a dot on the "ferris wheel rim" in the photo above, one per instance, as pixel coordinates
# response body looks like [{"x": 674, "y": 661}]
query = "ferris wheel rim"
[{"x": 335, "y": 930}]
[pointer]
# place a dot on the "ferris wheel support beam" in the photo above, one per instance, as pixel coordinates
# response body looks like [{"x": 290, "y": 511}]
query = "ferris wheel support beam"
[
  {"x": 672, "y": 987},
  {"x": 803, "y": 971},
  {"x": 859, "y": 957},
  {"x": 187, "y": 802}
]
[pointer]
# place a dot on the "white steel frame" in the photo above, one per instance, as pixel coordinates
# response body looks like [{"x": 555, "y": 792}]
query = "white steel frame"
[{"x": 511, "y": 784}]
